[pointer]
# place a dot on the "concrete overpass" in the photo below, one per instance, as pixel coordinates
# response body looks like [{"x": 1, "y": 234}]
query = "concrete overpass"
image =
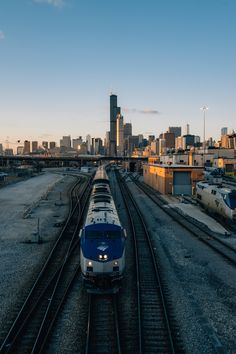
[{"x": 62, "y": 161}]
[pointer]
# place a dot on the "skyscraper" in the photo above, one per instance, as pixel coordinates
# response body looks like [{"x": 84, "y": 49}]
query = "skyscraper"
[
  {"x": 113, "y": 114},
  {"x": 26, "y": 147},
  {"x": 127, "y": 130},
  {"x": 89, "y": 143},
  {"x": 187, "y": 129},
  {"x": 34, "y": 146},
  {"x": 120, "y": 134},
  {"x": 175, "y": 130},
  {"x": 52, "y": 145},
  {"x": 224, "y": 131},
  {"x": 65, "y": 141}
]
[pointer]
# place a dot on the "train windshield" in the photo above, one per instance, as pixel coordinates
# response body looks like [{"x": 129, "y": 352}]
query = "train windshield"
[
  {"x": 230, "y": 200},
  {"x": 95, "y": 234}
]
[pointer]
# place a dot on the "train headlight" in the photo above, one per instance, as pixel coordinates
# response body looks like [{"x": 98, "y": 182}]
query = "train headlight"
[
  {"x": 116, "y": 263},
  {"x": 103, "y": 257},
  {"x": 90, "y": 264}
]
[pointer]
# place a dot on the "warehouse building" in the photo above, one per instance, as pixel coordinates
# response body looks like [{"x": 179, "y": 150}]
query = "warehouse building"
[{"x": 172, "y": 179}]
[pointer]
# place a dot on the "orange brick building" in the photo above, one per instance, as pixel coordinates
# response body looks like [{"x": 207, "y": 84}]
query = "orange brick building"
[{"x": 173, "y": 179}]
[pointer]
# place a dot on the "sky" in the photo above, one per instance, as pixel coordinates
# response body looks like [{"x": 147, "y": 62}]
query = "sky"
[{"x": 165, "y": 59}]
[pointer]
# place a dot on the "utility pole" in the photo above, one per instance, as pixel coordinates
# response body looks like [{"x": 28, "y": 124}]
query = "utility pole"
[{"x": 204, "y": 109}]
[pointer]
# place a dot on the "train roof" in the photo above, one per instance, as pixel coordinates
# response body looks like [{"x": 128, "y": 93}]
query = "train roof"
[
  {"x": 102, "y": 213},
  {"x": 102, "y": 208},
  {"x": 101, "y": 175},
  {"x": 215, "y": 187}
]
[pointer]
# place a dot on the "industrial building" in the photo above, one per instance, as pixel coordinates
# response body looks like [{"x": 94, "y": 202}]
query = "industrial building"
[{"x": 172, "y": 179}]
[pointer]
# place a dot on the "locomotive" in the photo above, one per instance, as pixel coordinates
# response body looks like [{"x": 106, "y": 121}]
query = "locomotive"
[
  {"x": 214, "y": 175},
  {"x": 218, "y": 200},
  {"x": 102, "y": 240}
]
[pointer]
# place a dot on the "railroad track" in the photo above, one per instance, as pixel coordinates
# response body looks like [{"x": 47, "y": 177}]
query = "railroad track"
[
  {"x": 208, "y": 237},
  {"x": 30, "y": 331},
  {"x": 103, "y": 327},
  {"x": 230, "y": 180},
  {"x": 156, "y": 333}
]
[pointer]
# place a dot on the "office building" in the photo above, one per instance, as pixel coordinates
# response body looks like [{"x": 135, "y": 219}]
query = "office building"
[
  {"x": 52, "y": 145},
  {"x": 9, "y": 152},
  {"x": 188, "y": 141},
  {"x": 76, "y": 143},
  {"x": 97, "y": 146},
  {"x": 187, "y": 129},
  {"x": 20, "y": 150},
  {"x": 45, "y": 145},
  {"x": 224, "y": 131},
  {"x": 169, "y": 138},
  {"x": 34, "y": 146},
  {"x": 232, "y": 141},
  {"x": 162, "y": 146},
  {"x": 133, "y": 142},
  {"x": 89, "y": 143},
  {"x": 155, "y": 147},
  {"x": 151, "y": 138},
  {"x": 106, "y": 143},
  {"x": 26, "y": 147},
  {"x": 127, "y": 130},
  {"x": 65, "y": 141},
  {"x": 120, "y": 134},
  {"x": 113, "y": 115},
  {"x": 175, "y": 130}
]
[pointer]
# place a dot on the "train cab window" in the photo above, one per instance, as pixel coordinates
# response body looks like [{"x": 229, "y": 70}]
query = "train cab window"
[
  {"x": 95, "y": 234},
  {"x": 112, "y": 234},
  {"x": 230, "y": 200}
]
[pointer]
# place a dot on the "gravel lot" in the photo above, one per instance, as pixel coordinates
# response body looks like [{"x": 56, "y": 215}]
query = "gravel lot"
[{"x": 43, "y": 200}]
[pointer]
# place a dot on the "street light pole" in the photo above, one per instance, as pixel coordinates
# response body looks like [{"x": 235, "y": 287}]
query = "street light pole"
[{"x": 204, "y": 109}]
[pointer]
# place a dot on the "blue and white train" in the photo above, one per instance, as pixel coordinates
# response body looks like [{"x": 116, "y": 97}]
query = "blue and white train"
[{"x": 102, "y": 240}]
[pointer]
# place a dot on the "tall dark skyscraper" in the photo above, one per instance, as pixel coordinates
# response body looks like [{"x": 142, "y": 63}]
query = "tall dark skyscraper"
[
  {"x": 113, "y": 114},
  {"x": 175, "y": 130}
]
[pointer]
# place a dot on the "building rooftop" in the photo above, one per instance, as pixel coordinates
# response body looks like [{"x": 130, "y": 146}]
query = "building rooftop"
[{"x": 164, "y": 165}]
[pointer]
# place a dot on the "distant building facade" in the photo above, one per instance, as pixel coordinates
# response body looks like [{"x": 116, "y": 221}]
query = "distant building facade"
[
  {"x": 26, "y": 147},
  {"x": 34, "y": 146},
  {"x": 65, "y": 141},
  {"x": 45, "y": 145},
  {"x": 113, "y": 114},
  {"x": 175, "y": 130},
  {"x": 52, "y": 145},
  {"x": 224, "y": 131},
  {"x": 76, "y": 143},
  {"x": 120, "y": 134},
  {"x": 20, "y": 150}
]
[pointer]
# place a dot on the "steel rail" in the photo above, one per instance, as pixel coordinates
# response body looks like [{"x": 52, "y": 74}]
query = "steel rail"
[
  {"x": 103, "y": 326},
  {"x": 160, "y": 301},
  {"x": 205, "y": 236},
  {"x": 37, "y": 291},
  {"x": 140, "y": 345},
  {"x": 48, "y": 321}
]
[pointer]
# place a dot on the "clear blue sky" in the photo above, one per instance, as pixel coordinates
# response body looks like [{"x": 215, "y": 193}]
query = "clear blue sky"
[{"x": 60, "y": 59}]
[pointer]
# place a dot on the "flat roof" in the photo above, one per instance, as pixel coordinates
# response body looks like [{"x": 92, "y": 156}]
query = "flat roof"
[{"x": 175, "y": 166}]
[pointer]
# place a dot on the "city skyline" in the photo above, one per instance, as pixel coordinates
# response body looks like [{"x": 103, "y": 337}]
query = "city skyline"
[{"x": 60, "y": 60}]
